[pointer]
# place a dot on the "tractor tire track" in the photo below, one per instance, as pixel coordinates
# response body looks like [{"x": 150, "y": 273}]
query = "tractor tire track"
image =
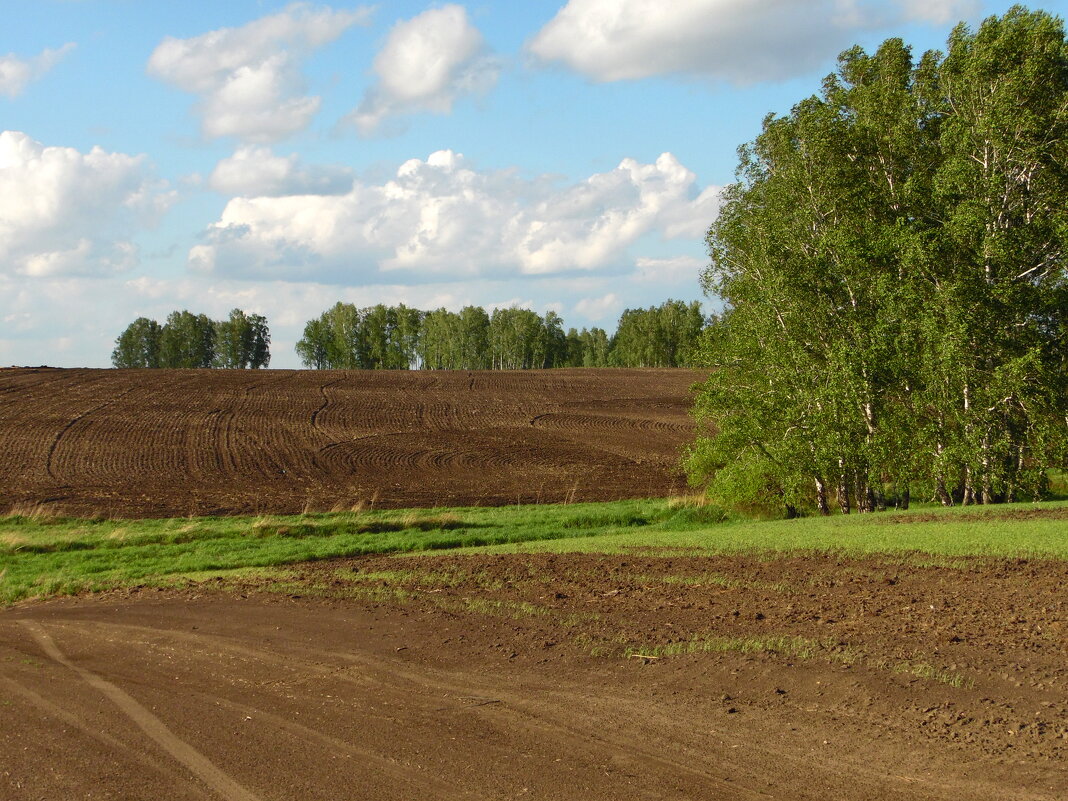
[
  {"x": 152, "y": 726},
  {"x": 50, "y": 457}
]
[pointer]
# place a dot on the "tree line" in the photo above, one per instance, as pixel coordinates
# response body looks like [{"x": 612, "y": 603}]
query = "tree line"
[
  {"x": 892, "y": 258},
  {"x": 194, "y": 340},
  {"x": 400, "y": 338}
]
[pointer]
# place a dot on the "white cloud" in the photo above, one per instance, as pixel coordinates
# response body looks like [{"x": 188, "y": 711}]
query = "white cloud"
[
  {"x": 38, "y": 317},
  {"x": 255, "y": 171},
  {"x": 72, "y": 321},
  {"x": 17, "y": 73},
  {"x": 738, "y": 41},
  {"x": 249, "y": 78},
  {"x": 64, "y": 212},
  {"x": 511, "y": 303},
  {"x": 599, "y": 308},
  {"x": 675, "y": 270},
  {"x": 425, "y": 64},
  {"x": 441, "y": 217},
  {"x": 939, "y": 12}
]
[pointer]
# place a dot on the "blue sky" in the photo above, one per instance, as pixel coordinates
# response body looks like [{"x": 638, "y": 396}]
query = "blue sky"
[{"x": 280, "y": 157}]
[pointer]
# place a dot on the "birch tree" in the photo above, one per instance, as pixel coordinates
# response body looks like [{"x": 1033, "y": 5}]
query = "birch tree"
[{"x": 892, "y": 258}]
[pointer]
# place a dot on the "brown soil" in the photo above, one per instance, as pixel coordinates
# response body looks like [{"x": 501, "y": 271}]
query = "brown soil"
[
  {"x": 477, "y": 676},
  {"x": 157, "y": 443}
]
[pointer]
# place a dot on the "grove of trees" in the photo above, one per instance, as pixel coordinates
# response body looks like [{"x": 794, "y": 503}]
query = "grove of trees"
[
  {"x": 892, "y": 260},
  {"x": 194, "y": 340},
  {"x": 386, "y": 337}
]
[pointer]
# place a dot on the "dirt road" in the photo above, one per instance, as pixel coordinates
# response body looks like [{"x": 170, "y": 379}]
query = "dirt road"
[{"x": 507, "y": 677}]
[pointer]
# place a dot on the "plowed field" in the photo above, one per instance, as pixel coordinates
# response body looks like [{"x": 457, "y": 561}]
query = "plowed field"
[
  {"x": 160, "y": 443},
  {"x": 502, "y": 677}
]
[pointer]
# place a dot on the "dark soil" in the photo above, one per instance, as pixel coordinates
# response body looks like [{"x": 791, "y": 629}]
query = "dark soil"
[
  {"x": 164, "y": 443},
  {"x": 537, "y": 676}
]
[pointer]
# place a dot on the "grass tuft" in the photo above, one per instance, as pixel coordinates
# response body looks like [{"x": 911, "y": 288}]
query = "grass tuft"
[{"x": 796, "y": 647}]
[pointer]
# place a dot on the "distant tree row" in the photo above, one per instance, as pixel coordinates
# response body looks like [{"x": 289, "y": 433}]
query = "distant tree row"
[
  {"x": 401, "y": 338},
  {"x": 195, "y": 340}
]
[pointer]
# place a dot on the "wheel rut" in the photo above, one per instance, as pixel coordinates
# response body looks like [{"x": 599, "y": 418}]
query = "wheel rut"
[
  {"x": 50, "y": 458},
  {"x": 154, "y": 728}
]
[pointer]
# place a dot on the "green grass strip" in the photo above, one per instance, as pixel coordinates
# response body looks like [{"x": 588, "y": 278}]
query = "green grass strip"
[{"x": 41, "y": 555}]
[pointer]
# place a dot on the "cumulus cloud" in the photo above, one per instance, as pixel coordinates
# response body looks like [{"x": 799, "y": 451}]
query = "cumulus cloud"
[
  {"x": 16, "y": 73},
  {"x": 64, "y": 212},
  {"x": 425, "y": 64},
  {"x": 674, "y": 270},
  {"x": 599, "y": 308},
  {"x": 255, "y": 171},
  {"x": 441, "y": 217},
  {"x": 737, "y": 41},
  {"x": 249, "y": 78},
  {"x": 939, "y": 12}
]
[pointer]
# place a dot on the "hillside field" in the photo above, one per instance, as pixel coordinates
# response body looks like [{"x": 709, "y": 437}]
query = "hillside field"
[
  {"x": 327, "y": 646},
  {"x": 165, "y": 443}
]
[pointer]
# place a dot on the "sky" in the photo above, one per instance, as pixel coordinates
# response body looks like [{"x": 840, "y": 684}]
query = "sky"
[{"x": 279, "y": 158}]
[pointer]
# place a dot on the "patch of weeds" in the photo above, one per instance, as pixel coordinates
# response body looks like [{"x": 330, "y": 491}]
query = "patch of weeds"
[
  {"x": 700, "y": 516},
  {"x": 517, "y": 610},
  {"x": 453, "y": 577},
  {"x": 384, "y": 576},
  {"x": 375, "y": 593},
  {"x": 797, "y": 647},
  {"x": 624, "y": 519},
  {"x": 36, "y": 513},
  {"x": 703, "y": 580},
  {"x": 349, "y": 524},
  {"x": 513, "y": 609},
  {"x": 919, "y": 668},
  {"x": 925, "y": 670},
  {"x": 295, "y": 586},
  {"x": 844, "y": 653},
  {"x": 228, "y": 575},
  {"x": 601, "y": 647},
  {"x": 713, "y": 580},
  {"x": 972, "y": 564}
]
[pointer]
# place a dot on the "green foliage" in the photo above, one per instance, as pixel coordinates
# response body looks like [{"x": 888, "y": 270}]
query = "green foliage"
[
  {"x": 519, "y": 339},
  {"x": 380, "y": 337},
  {"x": 892, "y": 259},
  {"x": 193, "y": 340},
  {"x": 377, "y": 337},
  {"x": 138, "y": 345},
  {"x": 450, "y": 341},
  {"x": 242, "y": 341},
  {"x": 660, "y": 336},
  {"x": 187, "y": 340}
]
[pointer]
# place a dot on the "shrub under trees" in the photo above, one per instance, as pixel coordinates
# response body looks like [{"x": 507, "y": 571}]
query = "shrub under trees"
[{"x": 893, "y": 263}]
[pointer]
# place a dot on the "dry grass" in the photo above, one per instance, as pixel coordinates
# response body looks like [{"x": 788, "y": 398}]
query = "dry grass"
[
  {"x": 798, "y": 647},
  {"x": 688, "y": 501},
  {"x": 32, "y": 511},
  {"x": 13, "y": 541}
]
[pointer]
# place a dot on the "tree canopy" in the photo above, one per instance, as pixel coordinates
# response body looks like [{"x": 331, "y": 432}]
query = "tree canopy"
[
  {"x": 194, "y": 340},
  {"x": 381, "y": 337},
  {"x": 892, "y": 259}
]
